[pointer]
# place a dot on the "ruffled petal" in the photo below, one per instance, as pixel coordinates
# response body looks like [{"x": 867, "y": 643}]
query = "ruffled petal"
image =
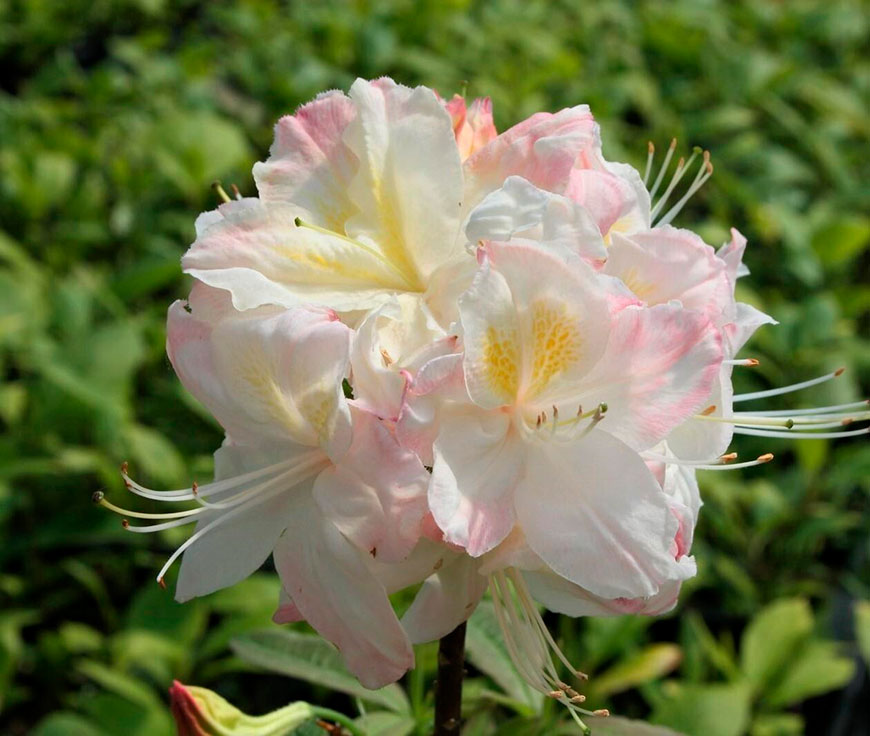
[
  {"x": 376, "y": 493},
  {"x": 446, "y": 599},
  {"x": 266, "y": 375},
  {"x": 521, "y": 210},
  {"x": 309, "y": 165},
  {"x": 542, "y": 149},
  {"x": 596, "y": 516},
  {"x": 258, "y": 253},
  {"x": 478, "y": 459},
  {"x": 332, "y": 587},
  {"x": 408, "y": 189},
  {"x": 658, "y": 371}
]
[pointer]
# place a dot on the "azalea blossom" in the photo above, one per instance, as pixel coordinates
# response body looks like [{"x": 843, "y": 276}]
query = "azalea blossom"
[{"x": 471, "y": 360}]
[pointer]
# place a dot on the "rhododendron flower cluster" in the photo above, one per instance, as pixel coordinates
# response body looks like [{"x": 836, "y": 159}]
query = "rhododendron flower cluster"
[{"x": 471, "y": 360}]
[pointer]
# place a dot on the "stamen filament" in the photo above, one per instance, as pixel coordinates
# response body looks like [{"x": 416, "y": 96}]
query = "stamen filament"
[
  {"x": 667, "y": 162},
  {"x": 703, "y": 175},
  {"x": 806, "y": 412},
  {"x": 650, "y": 153},
  {"x": 787, "y": 389},
  {"x": 800, "y": 435}
]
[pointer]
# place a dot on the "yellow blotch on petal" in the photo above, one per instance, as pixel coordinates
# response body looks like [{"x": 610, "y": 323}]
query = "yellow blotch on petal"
[
  {"x": 501, "y": 356},
  {"x": 556, "y": 342},
  {"x": 641, "y": 288}
]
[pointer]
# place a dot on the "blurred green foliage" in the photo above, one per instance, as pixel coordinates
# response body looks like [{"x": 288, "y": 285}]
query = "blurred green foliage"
[{"x": 116, "y": 115}]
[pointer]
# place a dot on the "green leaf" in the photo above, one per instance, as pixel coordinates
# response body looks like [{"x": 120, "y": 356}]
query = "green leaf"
[
  {"x": 486, "y": 651},
  {"x": 711, "y": 710},
  {"x": 310, "y": 658},
  {"x": 862, "y": 628},
  {"x": 650, "y": 663},
  {"x": 842, "y": 239},
  {"x": 777, "y": 724},
  {"x": 771, "y": 639},
  {"x": 66, "y": 724},
  {"x": 815, "y": 669},
  {"x": 382, "y": 723},
  {"x": 616, "y": 726}
]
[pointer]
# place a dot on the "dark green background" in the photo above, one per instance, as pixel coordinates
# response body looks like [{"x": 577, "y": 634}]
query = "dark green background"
[{"x": 114, "y": 119}]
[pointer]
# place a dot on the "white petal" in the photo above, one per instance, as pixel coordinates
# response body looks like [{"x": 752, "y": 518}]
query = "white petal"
[
  {"x": 533, "y": 324},
  {"x": 231, "y": 552},
  {"x": 408, "y": 190},
  {"x": 258, "y": 253},
  {"x": 267, "y": 375},
  {"x": 332, "y": 587},
  {"x": 478, "y": 460},
  {"x": 521, "y": 210},
  {"x": 446, "y": 599},
  {"x": 376, "y": 493},
  {"x": 596, "y": 515},
  {"x": 309, "y": 165},
  {"x": 658, "y": 370}
]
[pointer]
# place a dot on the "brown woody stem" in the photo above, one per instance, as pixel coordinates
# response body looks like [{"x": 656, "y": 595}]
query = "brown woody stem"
[{"x": 448, "y": 687}]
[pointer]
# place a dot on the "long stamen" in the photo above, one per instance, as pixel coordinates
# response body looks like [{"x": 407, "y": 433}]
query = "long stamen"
[
  {"x": 760, "y": 460},
  {"x": 668, "y": 156},
  {"x": 189, "y": 494},
  {"x": 801, "y": 435},
  {"x": 670, "y": 460},
  {"x": 788, "y": 389},
  {"x": 650, "y": 153},
  {"x": 807, "y": 412},
  {"x": 99, "y": 498},
  {"x": 745, "y": 362},
  {"x": 703, "y": 175}
]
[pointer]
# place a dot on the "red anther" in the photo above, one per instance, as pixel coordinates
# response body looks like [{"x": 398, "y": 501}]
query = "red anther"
[
  {"x": 162, "y": 583},
  {"x": 125, "y": 523},
  {"x": 125, "y": 467},
  {"x": 194, "y": 487}
]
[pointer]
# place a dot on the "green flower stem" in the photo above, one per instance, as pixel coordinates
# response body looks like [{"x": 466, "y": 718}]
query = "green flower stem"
[{"x": 328, "y": 714}]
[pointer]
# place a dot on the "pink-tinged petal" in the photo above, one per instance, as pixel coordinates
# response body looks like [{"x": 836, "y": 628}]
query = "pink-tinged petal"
[
  {"x": 439, "y": 380},
  {"x": 542, "y": 149},
  {"x": 257, "y": 252},
  {"x": 666, "y": 263},
  {"x": 747, "y": 320},
  {"x": 562, "y": 596},
  {"x": 266, "y": 375},
  {"x": 287, "y": 613},
  {"x": 335, "y": 591},
  {"x": 658, "y": 370},
  {"x": 521, "y": 210},
  {"x": 376, "y": 493},
  {"x": 732, "y": 255},
  {"x": 704, "y": 439},
  {"x": 230, "y": 552},
  {"x": 478, "y": 460},
  {"x": 309, "y": 165},
  {"x": 408, "y": 189},
  {"x": 608, "y": 198},
  {"x": 446, "y": 599},
  {"x": 533, "y": 324},
  {"x": 473, "y": 126},
  {"x": 595, "y": 515},
  {"x": 398, "y": 337}
]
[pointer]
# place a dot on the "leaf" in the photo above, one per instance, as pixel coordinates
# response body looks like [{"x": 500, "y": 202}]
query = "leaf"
[
  {"x": 862, "y": 628},
  {"x": 486, "y": 651},
  {"x": 770, "y": 640},
  {"x": 816, "y": 668},
  {"x": 382, "y": 723},
  {"x": 841, "y": 239},
  {"x": 310, "y": 658},
  {"x": 650, "y": 663},
  {"x": 63, "y": 723},
  {"x": 777, "y": 724},
  {"x": 711, "y": 710},
  {"x": 617, "y": 726}
]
